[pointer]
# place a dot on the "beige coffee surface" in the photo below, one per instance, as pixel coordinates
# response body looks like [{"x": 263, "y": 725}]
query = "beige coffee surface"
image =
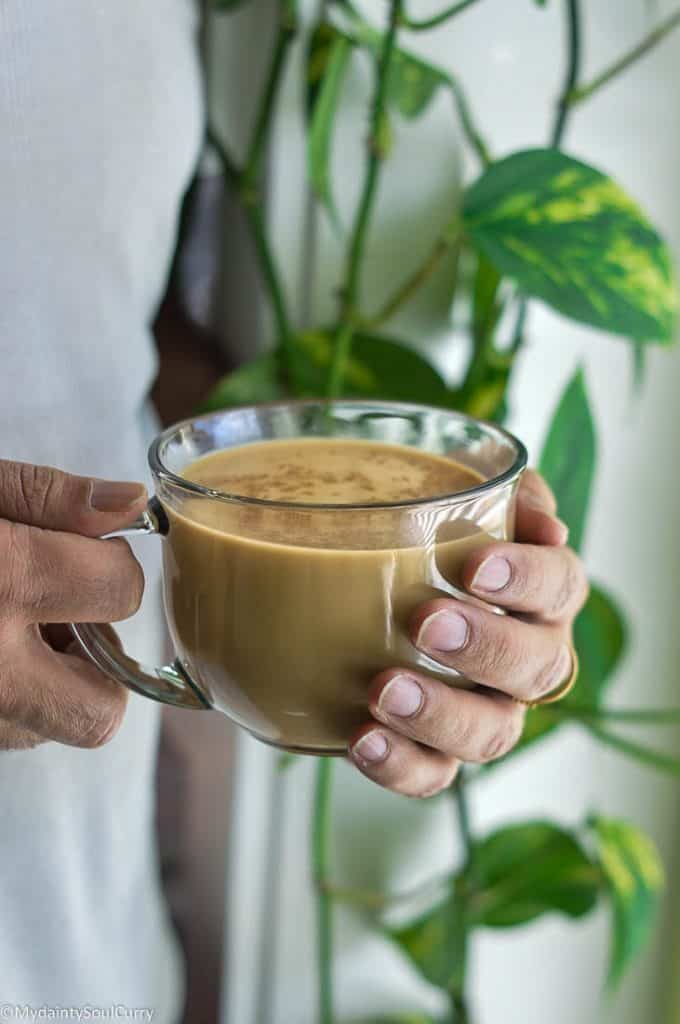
[
  {"x": 326, "y": 471},
  {"x": 283, "y": 636}
]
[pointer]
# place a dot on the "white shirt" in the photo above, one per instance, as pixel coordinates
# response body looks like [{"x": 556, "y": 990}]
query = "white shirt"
[{"x": 100, "y": 111}]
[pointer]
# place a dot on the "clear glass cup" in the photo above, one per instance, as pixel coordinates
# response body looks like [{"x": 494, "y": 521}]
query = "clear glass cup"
[{"x": 283, "y": 612}]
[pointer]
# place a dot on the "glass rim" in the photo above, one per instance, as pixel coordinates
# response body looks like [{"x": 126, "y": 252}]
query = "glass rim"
[{"x": 164, "y": 474}]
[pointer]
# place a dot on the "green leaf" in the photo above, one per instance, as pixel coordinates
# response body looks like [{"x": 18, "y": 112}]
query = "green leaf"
[
  {"x": 412, "y": 82},
  {"x": 378, "y": 367},
  {"x": 568, "y": 459},
  {"x": 256, "y": 381},
  {"x": 634, "y": 878},
  {"x": 600, "y": 638},
  {"x": 569, "y": 235},
  {"x": 327, "y": 67},
  {"x": 436, "y": 942},
  {"x": 526, "y": 870}
]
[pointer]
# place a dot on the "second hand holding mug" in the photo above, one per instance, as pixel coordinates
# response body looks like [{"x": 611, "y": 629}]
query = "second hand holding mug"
[{"x": 281, "y": 612}]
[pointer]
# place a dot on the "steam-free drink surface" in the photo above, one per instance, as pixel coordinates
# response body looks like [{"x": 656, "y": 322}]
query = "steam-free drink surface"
[{"x": 284, "y": 615}]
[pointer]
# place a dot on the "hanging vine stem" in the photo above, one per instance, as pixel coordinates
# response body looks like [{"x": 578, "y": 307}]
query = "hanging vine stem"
[
  {"x": 480, "y": 358},
  {"x": 413, "y": 283},
  {"x": 436, "y": 19},
  {"x": 321, "y": 847},
  {"x": 245, "y": 181},
  {"x": 564, "y": 104},
  {"x": 460, "y": 1013},
  {"x": 350, "y": 290},
  {"x": 583, "y": 92},
  {"x": 470, "y": 130}
]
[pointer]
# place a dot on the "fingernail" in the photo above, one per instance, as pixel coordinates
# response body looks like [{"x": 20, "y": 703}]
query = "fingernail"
[
  {"x": 372, "y": 747},
  {"x": 402, "y": 697},
  {"x": 443, "y": 631},
  {"x": 564, "y": 531},
  {"x": 493, "y": 574},
  {"x": 108, "y": 496}
]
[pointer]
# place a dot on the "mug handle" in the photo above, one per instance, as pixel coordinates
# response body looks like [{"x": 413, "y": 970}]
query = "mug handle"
[{"x": 169, "y": 684}]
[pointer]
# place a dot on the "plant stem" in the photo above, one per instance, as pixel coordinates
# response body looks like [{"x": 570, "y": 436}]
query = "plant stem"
[
  {"x": 467, "y": 122},
  {"x": 564, "y": 104},
  {"x": 463, "y": 815},
  {"x": 573, "y": 69},
  {"x": 244, "y": 181},
  {"x": 321, "y": 846},
  {"x": 269, "y": 272},
  {"x": 350, "y": 292},
  {"x": 227, "y": 162},
  {"x": 371, "y": 900},
  {"x": 631, "y": 716},
  {"x": 459, "y": 1009},
  {"x": 436, "y": 19},
  {"x": 583, "y": 92},
  {"x": 256, "y": 220},
  {"x": 653, "y": 758},
  {"x": 412, "y": 284},
  {"x": 284, "y": 37}
]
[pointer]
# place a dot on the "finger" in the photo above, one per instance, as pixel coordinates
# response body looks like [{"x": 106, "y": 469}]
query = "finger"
[
  {"x": 13, "y": 737},
  {"x": 536, "y": 521},
  {"x": 61, "y": 577},
  {"x": 399, "y": 764},
  {"x": 519, "y": 658},
  {"x": 469, "y": 725},
  {"x": 60, "y": 638},
  {"x": 60, "y": 697},
  {"x": 46, "y": 497},
  {"x": 547, "y": 582}
]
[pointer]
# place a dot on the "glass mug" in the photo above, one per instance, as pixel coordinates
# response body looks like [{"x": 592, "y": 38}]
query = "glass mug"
[{"x": 280, "y": 612}]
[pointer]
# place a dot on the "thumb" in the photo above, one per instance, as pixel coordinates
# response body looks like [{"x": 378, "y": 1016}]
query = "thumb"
[{"x": 47, "y": 498}]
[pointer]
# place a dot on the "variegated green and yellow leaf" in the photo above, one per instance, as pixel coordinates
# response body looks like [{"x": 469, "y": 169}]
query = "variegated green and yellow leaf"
[
  {"x": 634, "y": 876},
  {"x": 569, "y": 235}
]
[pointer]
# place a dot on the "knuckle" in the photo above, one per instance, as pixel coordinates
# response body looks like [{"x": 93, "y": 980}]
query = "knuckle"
[
  {"x": 17, "y": 582},
  {"x": 548, "y": 677},
  {"x": 455, "y": 733},
  {"x": 571, "y": 590},
  {"x": 528, "y": 577},
  {"x": 500, "y": 655},
  {"x": 125, "y": 589},
  {"x": 503, "y": 738},
  {"x": 103, "y": 722},
  {"x": 34, "y": 488}
]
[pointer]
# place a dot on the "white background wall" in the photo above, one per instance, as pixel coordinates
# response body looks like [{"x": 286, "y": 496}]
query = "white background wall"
[{"x": 509, "y": 54}]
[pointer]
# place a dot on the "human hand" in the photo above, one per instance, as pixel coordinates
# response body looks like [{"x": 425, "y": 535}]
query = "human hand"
[
  {"x": 55, "y": 571},
  {"x": 423, "y": 729}
]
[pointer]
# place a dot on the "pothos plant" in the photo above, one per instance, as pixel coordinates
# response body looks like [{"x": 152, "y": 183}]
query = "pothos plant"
[{"x": 534, "y": 224}]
